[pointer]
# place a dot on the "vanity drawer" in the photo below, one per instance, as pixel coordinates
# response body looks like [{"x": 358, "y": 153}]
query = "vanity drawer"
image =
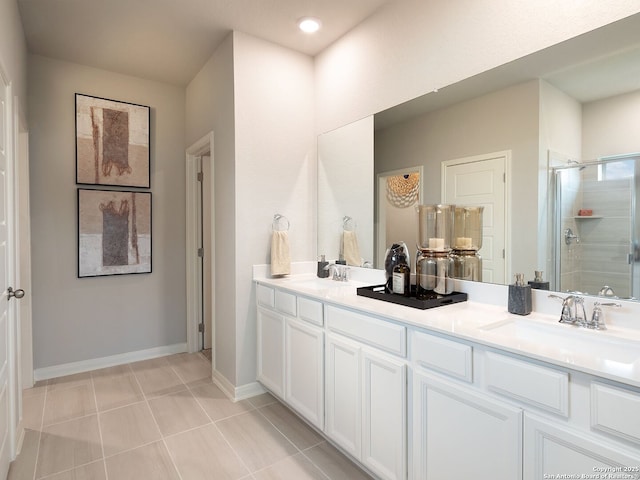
[
  {"x": 265, "y": 296},
  {"x": 615, "y": 411},
  {"x": 310, "y": 311},
  {"x": 529, "y": 383},
  {"x": 378, "y": 333},
  {"x": 445, "y": 356},
  {"x": 286, "y": 303}
]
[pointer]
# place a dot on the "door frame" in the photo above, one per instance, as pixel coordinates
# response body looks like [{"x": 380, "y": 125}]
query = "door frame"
[
  {"x": 13, "y": 391},
  {"x": 381, "y": 223},
  {"x": 193, "y": 284},
  {"x": 506, "y": 154}
]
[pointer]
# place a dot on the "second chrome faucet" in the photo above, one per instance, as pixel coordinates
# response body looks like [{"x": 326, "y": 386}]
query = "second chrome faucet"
[{"x": 573, "y": 312}]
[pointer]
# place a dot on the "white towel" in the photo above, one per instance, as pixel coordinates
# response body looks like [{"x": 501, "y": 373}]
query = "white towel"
[
  {"x": 280, "y": 255},
  {"x": 350, "y": 248}
]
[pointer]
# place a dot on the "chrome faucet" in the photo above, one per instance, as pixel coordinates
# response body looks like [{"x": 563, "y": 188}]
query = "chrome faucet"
[
  {"x": 597, "y": 318},
  {"x": 340, "y": 273},
  {"x": 573, "y": 311}
]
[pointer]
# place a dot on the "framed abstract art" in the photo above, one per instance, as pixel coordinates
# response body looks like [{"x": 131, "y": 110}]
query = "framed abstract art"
[
  {"x": 112, "y": 142},
  {"x": 114, "y": 232}
]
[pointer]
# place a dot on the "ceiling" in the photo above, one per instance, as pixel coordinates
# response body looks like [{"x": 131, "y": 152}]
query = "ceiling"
[{"x": 170, "y": 40}]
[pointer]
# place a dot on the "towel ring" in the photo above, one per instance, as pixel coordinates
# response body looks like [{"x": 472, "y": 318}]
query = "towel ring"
[
  {"x": 280, "y": 223},
  {"x": 348, "y": 224}
]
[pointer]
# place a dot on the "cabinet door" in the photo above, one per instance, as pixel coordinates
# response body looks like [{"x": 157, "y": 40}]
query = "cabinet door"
[
  {"x": 553, "y": 450},
  {"x": 304, "y": 370},
  {"x": 384, "y": 415},
  {"x": 343, "y": 420},
  {"x": 271, "y": 351},
  {"x": 461, "y": 433}
]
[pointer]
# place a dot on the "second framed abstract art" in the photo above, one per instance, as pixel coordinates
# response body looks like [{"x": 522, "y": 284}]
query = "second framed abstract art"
[
  {"x": 114, "y": 232},
  {"x": 112, "y": 142}
]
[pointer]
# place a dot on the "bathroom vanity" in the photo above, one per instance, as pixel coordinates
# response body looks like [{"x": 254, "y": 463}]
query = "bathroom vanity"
[{"x": 460, "y": 391}]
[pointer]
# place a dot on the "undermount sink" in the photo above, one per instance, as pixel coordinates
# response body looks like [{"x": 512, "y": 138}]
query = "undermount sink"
[{"x": 613, "y": 344}]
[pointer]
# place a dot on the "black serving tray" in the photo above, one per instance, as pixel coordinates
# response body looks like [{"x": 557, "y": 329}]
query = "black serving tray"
[{"x": 435, "y": 300}]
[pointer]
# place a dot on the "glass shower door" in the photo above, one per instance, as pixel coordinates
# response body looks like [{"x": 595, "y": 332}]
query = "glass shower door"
[{"x": 595, "y": 227}]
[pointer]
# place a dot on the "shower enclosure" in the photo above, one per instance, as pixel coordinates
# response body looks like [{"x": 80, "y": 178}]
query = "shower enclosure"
[{"x": 595, "y": 228}]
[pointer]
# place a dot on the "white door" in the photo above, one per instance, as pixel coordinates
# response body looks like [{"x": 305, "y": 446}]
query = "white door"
[
  {"x": 304, "y": 370},
  {"x": 343, "y": 410},
  {"x": 554, "y": 451},
  {"x": 207, "y": 270},
  {"x": 461, "y": 433},
  {"x": 271, "y": 351},
  {"x": 384, "y": 415},
  {"x": 481, "y": 181},
  {"x": 7, "y": 310}
]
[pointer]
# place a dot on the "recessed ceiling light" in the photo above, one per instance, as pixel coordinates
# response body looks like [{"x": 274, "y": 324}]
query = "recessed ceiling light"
[{"x": 309, "y": 24}]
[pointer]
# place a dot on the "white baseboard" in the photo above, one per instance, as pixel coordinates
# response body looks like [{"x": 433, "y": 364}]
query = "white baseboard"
[
  {"x": 113, "y": 360},
  {"x": 236, "y": 393}
]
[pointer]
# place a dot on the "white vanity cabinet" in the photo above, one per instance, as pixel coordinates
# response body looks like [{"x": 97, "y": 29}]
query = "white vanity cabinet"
[
  {"x": 409, "y": 401},
  {"x": 304, "y": 370},
  {"x": 457, "y": 430},
  {"x": 555, "y": 451},
  {"x": 271, "y": 350},
  {"x": 291, "y": 350},
  {"x": 461, "y": 433},
  {"x": 366, "y": 408}
]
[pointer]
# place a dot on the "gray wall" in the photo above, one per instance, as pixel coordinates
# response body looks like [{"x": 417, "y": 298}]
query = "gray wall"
[
  {"x": 503, "y": 120},
  {"x": 409, "y": 48},
  {"x": 79, "y": 319},
  {"x": 257, "y": 97},
  {"x": 210, "y": 107},
  {"x": 13, "y": 51}
]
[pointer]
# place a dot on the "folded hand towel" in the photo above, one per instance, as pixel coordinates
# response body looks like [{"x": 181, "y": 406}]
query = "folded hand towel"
[
  {"x": 350, "y": 248},
  {"x": 280, "y": 256}
]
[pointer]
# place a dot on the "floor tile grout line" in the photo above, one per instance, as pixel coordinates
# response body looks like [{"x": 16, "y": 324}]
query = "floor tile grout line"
[
  {"x": 44, "y": 405},
  {"x": 214, "y": 423},
  {"x": 173, "y": 462},
  {"x": 235, "y": 452},
  {"x": 292, "y": 443},
  {"x": 95, "y": 399}
]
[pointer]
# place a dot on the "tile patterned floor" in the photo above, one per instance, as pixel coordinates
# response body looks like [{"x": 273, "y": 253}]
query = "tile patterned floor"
[{"x": 165, "y": 419}]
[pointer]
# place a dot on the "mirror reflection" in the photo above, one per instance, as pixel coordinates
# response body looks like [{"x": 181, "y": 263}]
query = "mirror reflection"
[{"x": 527, "y": 128}]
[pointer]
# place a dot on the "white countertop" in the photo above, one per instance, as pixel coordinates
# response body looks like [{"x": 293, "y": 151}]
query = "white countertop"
[{"x": 613, "y": 354}]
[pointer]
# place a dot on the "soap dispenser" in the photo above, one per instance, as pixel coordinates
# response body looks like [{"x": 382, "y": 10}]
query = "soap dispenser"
[
  {"x": 323, "y": 267},
  {"x": 538, "y": 282},
  {"x": 519, "y": 296}
]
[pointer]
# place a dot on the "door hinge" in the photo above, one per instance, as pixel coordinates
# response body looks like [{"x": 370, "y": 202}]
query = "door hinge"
[
  {"x": 201, "y": 252},
  {"x": 503, "y": 255},
  {"x": 201, "y": 327},
  {"x": 200, "y": 176},
  {"x": 504, "y": 178}
]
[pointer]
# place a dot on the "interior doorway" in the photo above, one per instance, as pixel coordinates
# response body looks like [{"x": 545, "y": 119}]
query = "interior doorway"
[
  {"x": 200, "y": 248},
  {"x": 204, "y": 249},
  {"x": 481, "y": 181},
  {"x": 398, "y": 193}
]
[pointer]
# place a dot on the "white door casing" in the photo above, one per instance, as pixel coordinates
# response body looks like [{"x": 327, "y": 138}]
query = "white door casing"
[
  {"x": 482, "y": 180},
  {"x": 204, "y": 146},
  {"x": 385, "y": 213},
  {"x": 9, "y": 391}
]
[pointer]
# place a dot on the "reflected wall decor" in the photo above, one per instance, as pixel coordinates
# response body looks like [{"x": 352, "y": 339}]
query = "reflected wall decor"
[
  {"x": 114, "y": 232},
  {"x": 112, "y": 142}
]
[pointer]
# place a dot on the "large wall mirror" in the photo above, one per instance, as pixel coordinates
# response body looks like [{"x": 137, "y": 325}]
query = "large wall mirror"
[{"x": 565, "y": 124}]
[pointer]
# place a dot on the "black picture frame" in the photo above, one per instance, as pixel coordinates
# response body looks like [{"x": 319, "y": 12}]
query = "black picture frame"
[
  {"x": 112, "y": 142},
  {"x": 114, "y": 232}
]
